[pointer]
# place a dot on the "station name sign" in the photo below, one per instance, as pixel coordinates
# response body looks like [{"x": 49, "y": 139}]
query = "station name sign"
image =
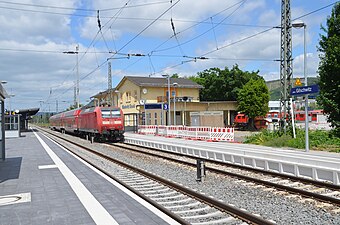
[
  {"x": 153, "y": 106},
  {"x": 305, "y": 90},
  {"x": 131, "y": 106}
]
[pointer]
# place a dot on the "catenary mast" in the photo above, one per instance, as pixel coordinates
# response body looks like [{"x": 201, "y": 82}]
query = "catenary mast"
[{"x": 285, "y": 63}]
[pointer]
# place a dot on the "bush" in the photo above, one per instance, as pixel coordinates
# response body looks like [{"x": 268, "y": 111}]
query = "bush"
[{"x": 318, "y": 140}]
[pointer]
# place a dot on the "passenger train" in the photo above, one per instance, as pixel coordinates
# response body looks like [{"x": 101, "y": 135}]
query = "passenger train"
[{"x": 97, "y": 123}]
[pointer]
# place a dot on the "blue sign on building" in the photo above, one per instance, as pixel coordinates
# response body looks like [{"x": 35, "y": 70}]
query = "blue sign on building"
[
  {"x": 305, "y": 90},
  {"x": 153, "y": 106}
]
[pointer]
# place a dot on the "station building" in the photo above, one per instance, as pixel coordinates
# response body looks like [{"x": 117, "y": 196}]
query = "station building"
[{"x": 145, "y": 101}]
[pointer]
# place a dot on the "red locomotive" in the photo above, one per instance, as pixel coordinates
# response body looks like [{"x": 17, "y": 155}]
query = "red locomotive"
[
  {"x": 260, "y": 122},
  {"x": 241, "y": 121},
  {"x": 98, "y": 123}
]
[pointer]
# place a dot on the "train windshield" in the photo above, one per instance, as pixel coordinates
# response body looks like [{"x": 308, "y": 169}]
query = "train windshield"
[{"x": 107, "y": 113}]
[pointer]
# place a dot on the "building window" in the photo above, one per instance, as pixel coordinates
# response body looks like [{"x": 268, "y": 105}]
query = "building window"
[
  {"x": 135, "y": 95},
  {"x": 166, "y": 95},
  {"x": 143, "y": 118},
  {"x": 128, "y": 96},
  {"x": 156, "y": 119},
  {"x": 149, "y": 119}
]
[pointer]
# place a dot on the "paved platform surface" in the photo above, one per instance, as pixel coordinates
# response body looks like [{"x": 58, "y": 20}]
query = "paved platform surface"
[
  {"x": 46, "y": 185},
  {"x": 224, "y": 145}
]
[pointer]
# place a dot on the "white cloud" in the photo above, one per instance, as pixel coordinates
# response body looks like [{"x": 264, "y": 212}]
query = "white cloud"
[
  {"x": 31, "y": 75},
  {"x": 263, "y": 47},
  {"x": 312, "y": 61}
]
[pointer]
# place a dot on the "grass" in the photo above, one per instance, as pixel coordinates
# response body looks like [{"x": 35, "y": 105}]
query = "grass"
[{"x": 318, "y": 140}]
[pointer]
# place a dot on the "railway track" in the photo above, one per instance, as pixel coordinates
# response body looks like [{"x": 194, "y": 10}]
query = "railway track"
[
  {"x": 323, "y": 194},
  {"x": 183, "y": 204}
]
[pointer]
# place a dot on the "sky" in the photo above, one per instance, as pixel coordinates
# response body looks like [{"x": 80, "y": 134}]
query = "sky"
[{"x": 168, "y": 37}]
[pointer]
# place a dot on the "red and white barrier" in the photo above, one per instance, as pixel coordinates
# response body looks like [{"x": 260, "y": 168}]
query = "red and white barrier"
[
  {"x": 147, "y": 129},
  {"x": 192, "y": 133},
  {"x": 171, "y": 131},
  {"x": 198, "y": 133},
  {"x": 161, "y": 130},
  {"x": 222, "y": 134}
]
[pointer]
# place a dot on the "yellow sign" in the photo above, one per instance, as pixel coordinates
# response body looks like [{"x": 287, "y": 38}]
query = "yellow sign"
[{"x": 298, "y": 82}]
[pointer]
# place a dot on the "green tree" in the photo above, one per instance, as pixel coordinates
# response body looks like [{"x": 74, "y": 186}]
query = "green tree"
[
  {"x": 253, "y": 100},
  {"x": 175, "y": 75},
  {"x": 329, "y": 69},
  {"x": 222, "y": 84}
]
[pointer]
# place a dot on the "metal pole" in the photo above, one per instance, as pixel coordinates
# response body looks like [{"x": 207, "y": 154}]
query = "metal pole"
[
  {"x": 3, "y": 137},
  {"x": 9, "y": 113},
  {"x": 169, "y": 115},
  {"x": 77, "y": 87},
  {"x": 306, "y": 83},
  {"x": 185, "y": 112},
  {"x": 162, "y": 114},
  {"x": 174, "y": 105},
  {"x": 145, "y": 115},
  {"x": 293, "y": 118}
]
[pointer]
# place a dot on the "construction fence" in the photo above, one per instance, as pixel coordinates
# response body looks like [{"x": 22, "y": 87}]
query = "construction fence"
[{"x": 191, "y": 133}]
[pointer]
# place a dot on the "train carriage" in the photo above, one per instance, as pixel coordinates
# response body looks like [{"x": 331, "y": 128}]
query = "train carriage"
[
  {"x": 99, "y": 123},
  {"x": 70, "y": 121},
  {"x": 56, "y": 122}
]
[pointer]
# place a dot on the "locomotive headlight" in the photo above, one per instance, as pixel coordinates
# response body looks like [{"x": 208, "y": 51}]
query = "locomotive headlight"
[
  {"x": 106, "y": 122},
  {"x": 118, "y": 122}
]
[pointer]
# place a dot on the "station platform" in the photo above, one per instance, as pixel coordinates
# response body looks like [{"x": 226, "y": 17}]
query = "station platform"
[
  {"x": 316, "y": 165},
  {"x": 40, "y": 183}
]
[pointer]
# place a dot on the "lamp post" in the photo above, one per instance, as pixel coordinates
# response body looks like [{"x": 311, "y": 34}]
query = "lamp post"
[
  {"x": 175, "y": 85},
  {"x": 168, "y": 77},
  {"x": 300, "y": 24}
]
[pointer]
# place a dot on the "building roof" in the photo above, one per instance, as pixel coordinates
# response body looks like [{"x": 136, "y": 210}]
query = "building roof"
[
  {"x": 152, "y": 82},
  {"x": 160, "y": 82}
]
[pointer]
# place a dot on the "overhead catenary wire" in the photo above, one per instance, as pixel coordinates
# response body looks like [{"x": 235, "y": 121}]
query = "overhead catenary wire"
[
  {"x": 194, "y": 25},
  {"x": 125, "y": 18},
  {"x": 114, "y": 18},
  {"x": 152, "y": 68},
  {"x": 256, "y": 34},
  {"x": 198, "y": 36},
  {"x": 94, "y": 39},
  {"x": 214, "y": 32},
  {"x": 195, "y": 58},
  {"x": 149, "y": 25},
  {"x": 80, "y": 9},
  {"x": 243, "y": 39},
  {"x": 100, "y": 30},
  {"x": 155, "y": 49},
  {"x": 129, "y": 41}
]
